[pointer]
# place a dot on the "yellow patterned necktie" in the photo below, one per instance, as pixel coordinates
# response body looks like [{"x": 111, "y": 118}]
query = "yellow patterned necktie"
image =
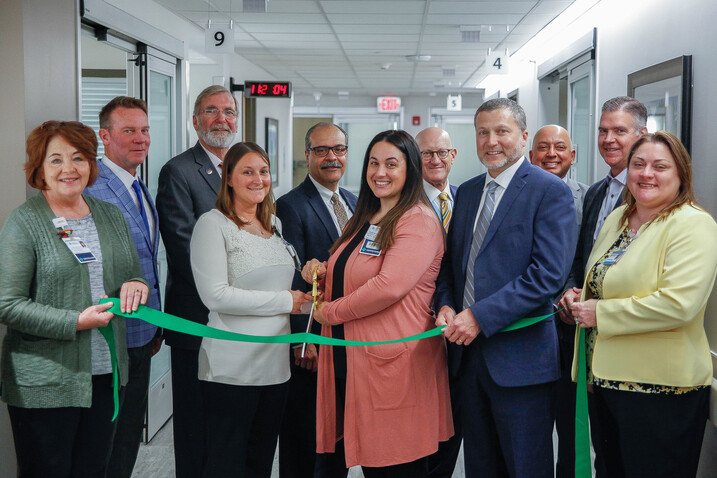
[
  {"x": 339, "y": 210},
  {"x": 445, "y": 210}
]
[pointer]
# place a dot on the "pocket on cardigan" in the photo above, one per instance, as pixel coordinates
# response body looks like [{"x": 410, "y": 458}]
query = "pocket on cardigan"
[
  {"x": 36, "y": 363},
  {"x": 391, "y": 381}
]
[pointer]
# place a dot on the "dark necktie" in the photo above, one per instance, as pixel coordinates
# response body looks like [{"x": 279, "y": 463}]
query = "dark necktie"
[{"x": 138, "y": 192}]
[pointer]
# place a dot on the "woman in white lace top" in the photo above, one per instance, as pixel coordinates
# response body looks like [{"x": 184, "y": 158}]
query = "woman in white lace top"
[{"x": 243, "y": 270}]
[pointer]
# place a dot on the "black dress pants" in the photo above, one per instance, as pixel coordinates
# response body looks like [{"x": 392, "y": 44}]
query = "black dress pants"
[
  {"x": 65, "y": 442},
  {"x": 188, "y": 413},
  {"x": 242, "y": 428}
]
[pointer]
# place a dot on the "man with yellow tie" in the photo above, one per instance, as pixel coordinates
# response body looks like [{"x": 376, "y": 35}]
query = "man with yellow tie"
[{"x": 437, "y": 157}]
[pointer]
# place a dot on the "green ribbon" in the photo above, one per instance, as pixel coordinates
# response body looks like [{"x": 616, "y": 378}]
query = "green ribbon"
[
  {"x": 583, "y": 469},
  {"x": 178, "y": 324}
]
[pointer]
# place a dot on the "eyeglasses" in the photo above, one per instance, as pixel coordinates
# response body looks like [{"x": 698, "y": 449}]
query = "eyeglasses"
[
  {"x": 441, "y": 153},
  {"x": 229, "y": 113},
  {"x": 321, "y": 151}
]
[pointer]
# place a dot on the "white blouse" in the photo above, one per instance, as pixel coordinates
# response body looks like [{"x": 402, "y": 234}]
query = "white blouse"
[{"x": 244, "y": 281}]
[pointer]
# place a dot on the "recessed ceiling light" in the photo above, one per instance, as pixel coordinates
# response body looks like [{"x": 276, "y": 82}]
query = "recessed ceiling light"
[{"x": 418, "y": 58}]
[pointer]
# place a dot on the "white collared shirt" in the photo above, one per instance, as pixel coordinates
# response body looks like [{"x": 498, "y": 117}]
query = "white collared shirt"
[
  {"x": 214, "y": 159},
  {"x": 326, "y": 195},
  {"x": 432, "y": 192},
  {"x": 127, "y": 179},
  {"x": 614, "y": 189},
  {"x": 503, "y": 181}
]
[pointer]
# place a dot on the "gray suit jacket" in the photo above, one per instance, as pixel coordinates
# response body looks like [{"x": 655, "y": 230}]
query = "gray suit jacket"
[
  {"x": 578, "y": 190},
  {"x": 187, "y": 188}
]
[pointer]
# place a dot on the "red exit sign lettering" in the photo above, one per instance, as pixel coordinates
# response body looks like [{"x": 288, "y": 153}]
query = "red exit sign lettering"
[{"x": 388, "y": 104}]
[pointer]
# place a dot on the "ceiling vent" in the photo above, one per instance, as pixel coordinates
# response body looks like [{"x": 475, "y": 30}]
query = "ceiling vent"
[
  {"x": 449, "y": 72},
  {"x": 470, "y": 36},
  {"x": 255, "y": 6}
]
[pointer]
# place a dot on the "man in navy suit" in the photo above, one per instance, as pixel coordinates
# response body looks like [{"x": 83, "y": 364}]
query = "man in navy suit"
[
  {"x": 437, "y": 158},
  {"x": 187, "y": 188},
  {"x": 510, "y": 245},
  {"x": 622, "y": 122},
  {"x": 124, "y": 131},
  {"x": 312, "y": 217}
]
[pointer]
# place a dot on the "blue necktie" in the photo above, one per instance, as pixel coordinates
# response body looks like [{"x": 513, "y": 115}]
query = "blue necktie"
[
  {"x": 138, "y": 192},
  {"x": 486, "y": 214}
]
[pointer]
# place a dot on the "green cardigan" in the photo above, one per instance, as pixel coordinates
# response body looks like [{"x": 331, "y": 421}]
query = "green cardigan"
[{"x": 45, "y": 361}]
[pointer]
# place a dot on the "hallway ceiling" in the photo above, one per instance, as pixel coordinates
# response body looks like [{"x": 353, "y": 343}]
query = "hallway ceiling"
[{"x": 361, "y": 46}]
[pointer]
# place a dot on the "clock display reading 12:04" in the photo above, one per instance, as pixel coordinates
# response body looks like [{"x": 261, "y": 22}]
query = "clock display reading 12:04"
[{"x": 267, "y": 89}]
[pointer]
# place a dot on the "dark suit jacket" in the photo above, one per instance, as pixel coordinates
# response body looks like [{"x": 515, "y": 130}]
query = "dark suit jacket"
[
  {"x": 306, "y": 224},
  {"x": 523, "y": 262},
  {"x": 591, "y": 210},
  {"x": 187, "y": 188}
]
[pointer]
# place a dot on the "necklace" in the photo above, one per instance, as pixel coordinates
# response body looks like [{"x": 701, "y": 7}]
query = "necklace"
[{"x": 251, "y": 223}]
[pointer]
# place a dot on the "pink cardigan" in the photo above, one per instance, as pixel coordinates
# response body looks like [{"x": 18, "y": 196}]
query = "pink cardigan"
[{"x": 397, "y": 400}]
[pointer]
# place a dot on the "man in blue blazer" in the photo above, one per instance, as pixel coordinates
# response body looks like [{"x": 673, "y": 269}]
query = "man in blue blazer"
[
  {"x": 187, "y": 188},
  {"x": 510, "y": 246},
  {"x": 311, "y": 221},
  {"x": 437, "y": 158},
  {"x": 124, "y": 131}
]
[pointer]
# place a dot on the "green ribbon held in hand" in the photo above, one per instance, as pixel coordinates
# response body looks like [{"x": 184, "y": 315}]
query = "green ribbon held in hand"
[{"x": 178, "y": 324}]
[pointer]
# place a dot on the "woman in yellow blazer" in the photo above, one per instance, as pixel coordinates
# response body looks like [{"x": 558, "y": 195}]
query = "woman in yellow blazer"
[{"x": 651, "y": 271}]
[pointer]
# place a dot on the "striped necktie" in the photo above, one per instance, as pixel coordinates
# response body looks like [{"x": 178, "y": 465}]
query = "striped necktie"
[
  {"x": 340, "y": 212},
  {"x": 142, "y": 211},
  {"x": 445, "y": 204},
  {"x": 486, "y": 214}
]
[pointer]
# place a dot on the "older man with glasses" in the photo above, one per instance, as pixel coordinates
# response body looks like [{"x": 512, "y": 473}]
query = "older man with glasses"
[
  {"x": 313, "y": 214},
  {"x": 187, "y": 188},
  {"x": 437, "y": 157}
]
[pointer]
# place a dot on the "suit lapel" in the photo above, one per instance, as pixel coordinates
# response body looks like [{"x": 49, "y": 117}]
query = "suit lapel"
[
  {"x": 126, "y": 201},
  {"x": 506, "y": 202},
  {"x": 319, "y": 207},
  {"x": 350, "y": 200},
  {"x": 205, "y": 168},
  {"x": 473, "y": 194}
]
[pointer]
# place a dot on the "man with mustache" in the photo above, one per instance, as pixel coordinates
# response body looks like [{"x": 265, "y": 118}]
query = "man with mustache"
[
  {"x": 313, "y": 214},
  {"x": 124, "y": 131},
  {"x": 187, "y": 188}
]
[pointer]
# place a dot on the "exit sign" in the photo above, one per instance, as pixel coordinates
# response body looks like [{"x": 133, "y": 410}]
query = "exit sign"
[{"x": 388, "y": 104}]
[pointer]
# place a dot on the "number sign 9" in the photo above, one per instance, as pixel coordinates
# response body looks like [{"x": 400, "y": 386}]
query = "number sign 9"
[{"x": 219, "y": 39}]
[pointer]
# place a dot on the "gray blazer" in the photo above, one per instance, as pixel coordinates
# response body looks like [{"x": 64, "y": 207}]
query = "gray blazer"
[
  {"x": 578, "y": 190},
  {"x": 188, "y": 187}
]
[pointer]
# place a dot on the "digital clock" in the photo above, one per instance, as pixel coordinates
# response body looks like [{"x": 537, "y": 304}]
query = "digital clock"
[{"x": 267, "y": 89}]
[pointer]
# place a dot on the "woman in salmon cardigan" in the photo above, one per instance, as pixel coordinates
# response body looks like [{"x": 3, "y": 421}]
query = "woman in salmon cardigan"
[{"x": 385, "y": 407}]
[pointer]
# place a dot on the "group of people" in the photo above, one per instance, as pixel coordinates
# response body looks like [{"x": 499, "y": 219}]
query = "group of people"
[{"x": 631, "y": 260}]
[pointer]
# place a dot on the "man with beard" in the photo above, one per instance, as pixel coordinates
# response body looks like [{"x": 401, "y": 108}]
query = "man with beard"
[
  {"x": 312, "y": 215},
  {"x": 187, "y": 188},
  {"x": 509, "y": 250}
]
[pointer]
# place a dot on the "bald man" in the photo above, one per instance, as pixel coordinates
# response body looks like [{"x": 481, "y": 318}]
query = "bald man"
[
  {"x": 437, "y": 157},
  {"x": 553, "y": 152}
]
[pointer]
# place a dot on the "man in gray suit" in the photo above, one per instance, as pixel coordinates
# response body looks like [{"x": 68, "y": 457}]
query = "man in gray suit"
[
  {"x": 188, "y": 187},
  {"x": 553, "y": 152}
]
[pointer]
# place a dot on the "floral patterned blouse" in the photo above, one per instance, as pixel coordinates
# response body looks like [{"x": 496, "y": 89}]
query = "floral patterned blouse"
[{"x": 594, "y": 284}]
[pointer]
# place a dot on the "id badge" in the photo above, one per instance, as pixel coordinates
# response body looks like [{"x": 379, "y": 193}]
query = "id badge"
[
  {"x": 369, "y": 247},
  {"x": 614, "y": 257},
  {"x": 78, "y": 247}
]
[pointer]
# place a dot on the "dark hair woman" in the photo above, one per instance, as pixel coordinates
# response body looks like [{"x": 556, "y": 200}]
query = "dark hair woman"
[{"x": 386, "y": 406}]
